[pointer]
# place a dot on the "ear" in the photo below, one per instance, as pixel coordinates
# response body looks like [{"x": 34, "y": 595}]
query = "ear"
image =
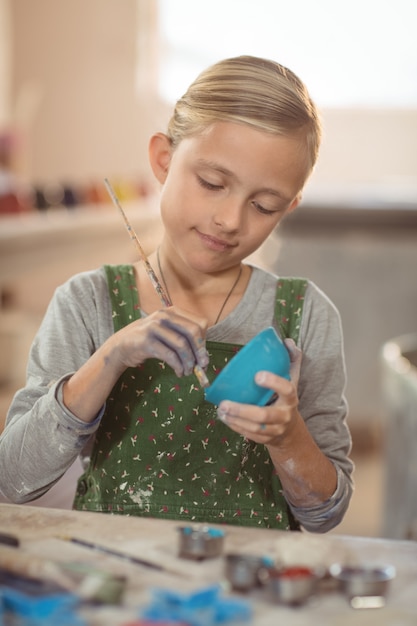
[
  {"x": 294, "y": 204},
  {"x": 160, "y": 151}
]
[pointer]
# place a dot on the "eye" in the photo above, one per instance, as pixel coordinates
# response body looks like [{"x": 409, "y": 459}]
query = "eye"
[
  {"x": 207, "y": 185},
  {"x": 262, "y": 210}
]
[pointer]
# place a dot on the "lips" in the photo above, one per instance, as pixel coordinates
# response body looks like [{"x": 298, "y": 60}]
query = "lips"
[{"x": 219, "y": 245}]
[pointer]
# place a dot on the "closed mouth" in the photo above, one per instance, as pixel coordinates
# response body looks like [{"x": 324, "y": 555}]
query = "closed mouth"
[{"x": 215, "y": 242}]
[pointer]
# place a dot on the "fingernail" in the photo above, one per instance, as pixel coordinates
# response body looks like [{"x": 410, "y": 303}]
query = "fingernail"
[
  {"x": 260, "y": 377},
  {"x": 222, "y": 415}
]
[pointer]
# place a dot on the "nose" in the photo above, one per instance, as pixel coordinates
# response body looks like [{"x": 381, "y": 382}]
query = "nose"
[{"x": 230, "y": 215}]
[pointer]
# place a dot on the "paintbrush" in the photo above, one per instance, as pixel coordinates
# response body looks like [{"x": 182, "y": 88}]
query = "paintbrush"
[
  {"x": 123, "y": 555},
  {"x": 198, "y": 370}
]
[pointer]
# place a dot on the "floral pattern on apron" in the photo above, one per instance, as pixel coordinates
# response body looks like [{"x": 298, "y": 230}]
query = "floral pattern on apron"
[{"x": 160, "y": 450}]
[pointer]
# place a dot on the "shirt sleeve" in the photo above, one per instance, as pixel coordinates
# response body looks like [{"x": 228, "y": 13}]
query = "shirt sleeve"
[
  {"x": 41, "y": 433},
  {"x": 323, "y": 405}
]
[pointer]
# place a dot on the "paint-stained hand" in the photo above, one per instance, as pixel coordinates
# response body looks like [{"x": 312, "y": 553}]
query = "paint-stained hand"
[
  {"x": 170, "y": 335},
  {"x": 271, "y": 424}
]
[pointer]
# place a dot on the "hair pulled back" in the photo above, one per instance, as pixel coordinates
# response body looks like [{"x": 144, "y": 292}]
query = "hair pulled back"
[{"x": 248, "y": 90}]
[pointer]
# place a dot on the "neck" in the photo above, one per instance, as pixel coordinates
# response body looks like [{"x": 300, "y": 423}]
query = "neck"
[{"x": 211, "y": 296}]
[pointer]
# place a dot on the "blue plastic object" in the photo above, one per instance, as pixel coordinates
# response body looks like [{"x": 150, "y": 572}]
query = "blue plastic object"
[
  {"x": 266, "y": 351},
  {"x": 211, "y": 532},
  {"x": 203, "y": 607},
  {"x": 45, "y": 610}
]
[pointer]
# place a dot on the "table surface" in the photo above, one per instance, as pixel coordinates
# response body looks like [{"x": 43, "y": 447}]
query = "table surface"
[{"x": 41, "y": 532}]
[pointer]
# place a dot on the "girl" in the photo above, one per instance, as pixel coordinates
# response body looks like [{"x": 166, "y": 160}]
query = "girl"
[{"x": 110, "y": 374}]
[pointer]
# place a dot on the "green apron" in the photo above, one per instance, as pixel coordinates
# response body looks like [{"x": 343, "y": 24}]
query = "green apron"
[{"x": 160, "y": 450}]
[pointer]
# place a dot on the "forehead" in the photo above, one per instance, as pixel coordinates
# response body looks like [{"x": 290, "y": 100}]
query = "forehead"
[{"x": 248, "y": 153}]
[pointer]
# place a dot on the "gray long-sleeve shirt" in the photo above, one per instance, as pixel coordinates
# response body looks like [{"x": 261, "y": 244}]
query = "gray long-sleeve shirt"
[{"x": 42, "y": 438}]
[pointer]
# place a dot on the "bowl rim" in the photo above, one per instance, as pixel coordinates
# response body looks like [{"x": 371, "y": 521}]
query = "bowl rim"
[{"x": 367, "y": 573}]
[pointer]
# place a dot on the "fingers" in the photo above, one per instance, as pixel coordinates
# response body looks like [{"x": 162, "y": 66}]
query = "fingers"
[
  {"x": 177, "y": 345},
  {"x": 186, "y": 339},
  {"x": 169, "y": 335},
  {"x": 281, "y": 386},
  {"x": 293, "y": 349},
  {"x": 295, "y": 360},
  {"x": 263, "y": 424},
  {"x": 255, "y": 423}
]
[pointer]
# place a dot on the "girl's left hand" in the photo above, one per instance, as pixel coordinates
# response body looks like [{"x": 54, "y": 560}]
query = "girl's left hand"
[{"x": 268, "y": 424}]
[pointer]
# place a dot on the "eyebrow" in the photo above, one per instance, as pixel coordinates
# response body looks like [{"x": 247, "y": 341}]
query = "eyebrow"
[
  {"x": 223, "y": 170},
  {"x": 216, "y": 166}
]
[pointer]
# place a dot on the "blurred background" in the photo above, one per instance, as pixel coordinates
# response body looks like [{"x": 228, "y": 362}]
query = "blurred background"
[{"x": 83, "y": 85}]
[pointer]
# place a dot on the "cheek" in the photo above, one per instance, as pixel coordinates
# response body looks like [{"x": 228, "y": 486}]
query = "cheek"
[
  {"x": 170, "y": 197},
  {"x": 176, "y": 207},
  {"x": 253, "y": 239},
  {"x": 261, "y": 227},
  {"x": 176, "y": 189}
]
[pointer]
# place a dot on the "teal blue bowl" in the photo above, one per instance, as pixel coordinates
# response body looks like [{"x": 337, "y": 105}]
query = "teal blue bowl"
[{"x": 236, "y": 382}]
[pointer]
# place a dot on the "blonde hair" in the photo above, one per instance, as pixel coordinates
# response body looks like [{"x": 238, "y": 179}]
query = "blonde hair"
[{"x": 248, "y": 90}]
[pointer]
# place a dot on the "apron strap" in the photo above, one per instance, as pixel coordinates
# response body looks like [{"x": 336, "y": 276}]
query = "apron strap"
[
  {"x": 289, "y": 306},
  {"x": 123, "y": 294}
]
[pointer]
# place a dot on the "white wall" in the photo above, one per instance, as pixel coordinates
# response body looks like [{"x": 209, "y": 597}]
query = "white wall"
[
  {"x": 74, "y": 70},
  {"x": 5, "y": 63},
  {"x": 87, "y": 108},
  {"x": 369, "y": 148}
]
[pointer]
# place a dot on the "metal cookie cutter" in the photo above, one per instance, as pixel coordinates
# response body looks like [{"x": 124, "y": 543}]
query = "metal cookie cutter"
[
  {"x": 200, "y": 542},
  {"x": 365, "y": 587},
  {"x": 292, "y": 585},
  {"x": 246, "y": 571}
]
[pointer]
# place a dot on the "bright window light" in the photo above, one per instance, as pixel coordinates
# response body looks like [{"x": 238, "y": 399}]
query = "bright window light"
[{"x": 360, "y": 53}]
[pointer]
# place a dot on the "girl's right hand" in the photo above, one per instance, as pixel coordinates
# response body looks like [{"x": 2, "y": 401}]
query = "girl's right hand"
[{"x": 170, "y": 335}]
